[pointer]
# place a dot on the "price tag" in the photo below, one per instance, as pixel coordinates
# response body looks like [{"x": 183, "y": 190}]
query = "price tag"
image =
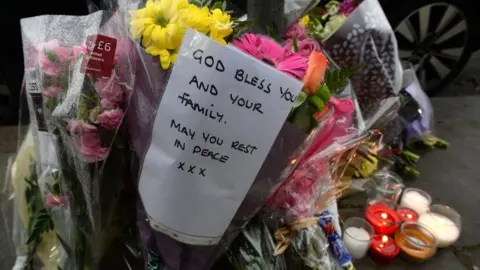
[
  {"x": 219, "y": 116},
  {"x": 101, "y": 53}
]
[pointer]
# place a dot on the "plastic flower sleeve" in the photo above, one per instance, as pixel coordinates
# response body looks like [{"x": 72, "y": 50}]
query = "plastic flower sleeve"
[
  {"x": 83, "y": 68},
  {"x": 366, "y": 38}
]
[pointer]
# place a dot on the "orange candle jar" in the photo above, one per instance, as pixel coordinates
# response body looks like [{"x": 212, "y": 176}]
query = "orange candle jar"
[{"x": 416, "y": 242}]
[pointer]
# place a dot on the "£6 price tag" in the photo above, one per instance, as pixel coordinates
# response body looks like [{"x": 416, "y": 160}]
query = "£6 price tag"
[{"x": 101, "y": 54}]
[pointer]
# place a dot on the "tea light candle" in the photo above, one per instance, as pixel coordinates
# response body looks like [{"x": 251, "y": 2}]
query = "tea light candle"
[
  {"x": 383, "y": 249},
  {"x": 444, "y": 229},
  {"x": 416, "y": 242},
  {"x": 383, "y": 218},
  {"x": 357, "y": 241},
  {"x": 416, "y": 199},
  {"x": 407, "y": 214}
]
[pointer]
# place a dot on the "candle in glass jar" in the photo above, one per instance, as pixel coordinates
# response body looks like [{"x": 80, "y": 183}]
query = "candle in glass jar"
[
  {"x": 384, "y": 219},
  {"x": 357, "y": 241},
  {"x": 445, "y": 230},
  {"x": 416, "y": 199},
  {"x": 407, "y": 214},
  {"x": 416, "y": 242},
  {"x": 383, "y": 249}
]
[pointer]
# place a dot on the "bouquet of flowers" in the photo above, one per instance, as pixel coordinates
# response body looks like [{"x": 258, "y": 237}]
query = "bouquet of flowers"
[
  {"x": 79, "y": 78},
  {"x": 160, "y": 27}
]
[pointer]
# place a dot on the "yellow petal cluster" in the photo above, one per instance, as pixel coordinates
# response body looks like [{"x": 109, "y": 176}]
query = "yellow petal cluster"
[
  {"x": 303, "y": 22},
  {"x": 162, "y": 25}
]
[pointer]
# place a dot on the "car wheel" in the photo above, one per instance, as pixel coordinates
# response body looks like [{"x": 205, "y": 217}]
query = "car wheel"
[{"x": 435, "y": 36}]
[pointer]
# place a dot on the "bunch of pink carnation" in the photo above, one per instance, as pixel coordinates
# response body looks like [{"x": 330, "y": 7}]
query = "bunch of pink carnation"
[{"x": 306, "y": 44}]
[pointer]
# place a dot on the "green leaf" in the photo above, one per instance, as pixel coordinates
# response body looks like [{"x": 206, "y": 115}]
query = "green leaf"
[
  {"x": 82, "y": 111},
  {"x": 323, "y": 92},
  {"x": 338, "y": 79},
  {"x": 224, "y": 6},
  {"x": 317, "y": 103},
  {"x": 300, "y": 99},
  {"x": 295, "y": 44},
  {"x": 217, "y": 4},
  {"x": 50, "y": 55},
  {"x": 303, "y": 117},
  {"x": 271, "y": 33}
]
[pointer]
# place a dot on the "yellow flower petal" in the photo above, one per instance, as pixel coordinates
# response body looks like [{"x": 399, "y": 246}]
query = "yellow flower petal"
[
  {"x": 165, "y": 59},
  {"x": 147, "y": 35},
  {"x": 159, "y": 37},
  {"x": 174, "y": 57},
  {"x": 137, "y": 27},
  {"x": 303, "y": 22},
  {"x": 153, "y": 50}
]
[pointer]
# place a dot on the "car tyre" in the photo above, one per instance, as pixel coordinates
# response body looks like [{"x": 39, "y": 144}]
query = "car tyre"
[{"x": 436, "y": 36}]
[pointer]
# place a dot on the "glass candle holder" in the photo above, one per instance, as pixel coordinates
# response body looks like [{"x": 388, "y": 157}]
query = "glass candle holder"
[
  {"x": 444, "y": 222},
  {"x": 383, "y": 249},
  {"x": 407, "y": 214},
  {"x": 383, "y": 216},
  {"x": 416, "y": 199},
  {"x": 357, "y": 236},
  {"x": 416, "y": 242},
  {"x": 387, "y": 186}
]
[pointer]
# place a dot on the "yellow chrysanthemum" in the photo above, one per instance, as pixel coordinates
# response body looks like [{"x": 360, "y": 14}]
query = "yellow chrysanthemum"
[
  {"x": 166, "y": 57},
  {"x": 159, "y": 23},
  {"x": 220, "y": 25},
  {"x": 303, "y": 22},
  {"x": 197, "y": 18}
]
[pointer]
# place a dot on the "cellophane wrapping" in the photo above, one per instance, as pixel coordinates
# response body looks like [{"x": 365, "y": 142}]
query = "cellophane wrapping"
[{"x": 81, "y": 163}]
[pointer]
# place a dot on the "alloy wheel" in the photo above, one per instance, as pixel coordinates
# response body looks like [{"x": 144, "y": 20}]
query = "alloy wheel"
[{"x": 434, "y": 39}]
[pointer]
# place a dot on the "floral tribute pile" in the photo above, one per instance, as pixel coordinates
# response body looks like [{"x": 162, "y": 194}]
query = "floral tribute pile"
[{"x": 94, "y": 86}]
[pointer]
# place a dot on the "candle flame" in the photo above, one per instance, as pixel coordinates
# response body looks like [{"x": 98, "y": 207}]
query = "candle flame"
[
  {"x": 409, "y": 216},
  {"x": 384, "y": 216},
  {"x": 293, "y": 161},
  {"x": 385, "y": 239}
]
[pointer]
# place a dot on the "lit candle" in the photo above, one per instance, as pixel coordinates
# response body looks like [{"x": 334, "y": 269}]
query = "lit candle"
[
  {"x": 416, "y": 199},
  {"x": 383, "y": 249},
  {"x": 407, "y": 214},
  {"x": 384, "y": 219},
  {"x": 416, "y": 242},
  {"x": 444, "y": 229}
]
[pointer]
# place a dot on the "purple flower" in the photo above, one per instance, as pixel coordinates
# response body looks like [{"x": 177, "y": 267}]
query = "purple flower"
[
  {"x": 110, "y": 119},
  {"x": 347, "y": 7}
]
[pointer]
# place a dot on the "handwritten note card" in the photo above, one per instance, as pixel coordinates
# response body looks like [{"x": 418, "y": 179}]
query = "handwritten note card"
[{"x": 218, "y": 118}]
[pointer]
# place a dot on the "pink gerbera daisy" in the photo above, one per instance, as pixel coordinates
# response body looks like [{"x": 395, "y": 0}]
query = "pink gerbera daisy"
[{"x": 267, "y": 50}]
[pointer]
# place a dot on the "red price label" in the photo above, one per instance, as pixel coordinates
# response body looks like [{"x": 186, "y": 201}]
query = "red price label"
[{"x": 101, "y": 53}]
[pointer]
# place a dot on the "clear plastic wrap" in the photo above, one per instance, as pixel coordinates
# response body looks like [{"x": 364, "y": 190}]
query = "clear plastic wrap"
[{"x": 79, "y": 77}]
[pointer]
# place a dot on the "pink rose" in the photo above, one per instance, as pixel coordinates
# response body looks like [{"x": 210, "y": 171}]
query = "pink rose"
[
  {"x": 124, "y": 60},
  {"x": 109, "y": 89},
  {"x": 54, "y": 200},
  {"x": 89, "y": 145},
  {"x": 110, "y": 119},
  {"x": 305, "y": 46},
  {"x": 52, "y": 91},
  {"x": 295, "y": 30},
  {"x": 78, "y": 127}
]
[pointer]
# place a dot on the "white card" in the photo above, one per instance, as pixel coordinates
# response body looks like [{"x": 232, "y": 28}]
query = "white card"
[{"x": 206, "y": 151}]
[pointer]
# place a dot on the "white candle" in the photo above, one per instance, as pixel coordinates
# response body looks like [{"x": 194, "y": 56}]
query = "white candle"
[
  {"x": 416, "y": 201},
  {"x": 441, "y": 227},
  {"x": 357, "y": 241}
]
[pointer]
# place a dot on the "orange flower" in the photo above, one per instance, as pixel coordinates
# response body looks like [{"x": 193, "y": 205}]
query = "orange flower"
[
  {"x": 317, "y": 65},
  {"x": 318, "y": 116}
]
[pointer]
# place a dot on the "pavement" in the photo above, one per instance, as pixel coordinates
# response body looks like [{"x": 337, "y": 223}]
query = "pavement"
[{"x": 451, "y": 176}]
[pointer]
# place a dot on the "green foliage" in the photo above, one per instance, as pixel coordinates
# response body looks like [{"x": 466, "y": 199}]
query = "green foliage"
[
  {"x": 272, "y": 33},
  {"x": 317, "y": 103},
  {"x": 82, "y": 111},
  {"x": 295, "y": 44},
  {"x": 323, "y": 92},
  {"x": 201, "y": 3},
  {"x": 50, "y": 55},
  {"x": 338, "y": 79},
  {"x": 239, "y": 27},
  {"x": 43, "y": 223},
  {"x": 300, "y": 99}
]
